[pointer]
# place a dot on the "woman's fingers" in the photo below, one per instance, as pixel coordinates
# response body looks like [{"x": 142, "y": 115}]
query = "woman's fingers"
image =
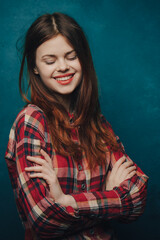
[
  {"x": 125, "y": 167},
  {"x": 127, "y": 164},
  {"x": 131, "y": 169},
  {"x": 34, "y": 168},
  {"x": 36, "y": 175},
  {"x": 123, "y": 174},
  {"x": 37, "y": 160},
  {"x": 42, "y": 165},
  {"x": 121, "y": 165},
  {"x": 131, "y": 174},
  {"x": 118, "y": 164},
  {"x": 38, "y": 169},
  {"x": 45, "y": 155}
]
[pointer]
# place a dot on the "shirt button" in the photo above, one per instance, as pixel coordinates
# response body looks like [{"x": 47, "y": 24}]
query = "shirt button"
[
  {"x": 83, "y": 186},
  {"x": 79, "y": 167}
]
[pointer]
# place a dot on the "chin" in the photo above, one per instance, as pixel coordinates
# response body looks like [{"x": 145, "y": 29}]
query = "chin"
[{"x": 67, "y": 92}]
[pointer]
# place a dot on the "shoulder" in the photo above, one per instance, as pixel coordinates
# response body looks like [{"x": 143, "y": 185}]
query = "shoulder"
[
  {"x": 31, "y": 114},
  {"x": 29, "y": 123},
  {"x": 31, "y": 119},
  {"x": 30, "y": 110}
]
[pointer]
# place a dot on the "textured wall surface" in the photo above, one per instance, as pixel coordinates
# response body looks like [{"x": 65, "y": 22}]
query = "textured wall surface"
[{"x": 125, "y": 42}]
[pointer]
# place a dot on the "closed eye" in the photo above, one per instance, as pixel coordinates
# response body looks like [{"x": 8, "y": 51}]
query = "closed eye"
[
  {"x": 49, "y": 63},
  {"x": 72, "y": 58}
]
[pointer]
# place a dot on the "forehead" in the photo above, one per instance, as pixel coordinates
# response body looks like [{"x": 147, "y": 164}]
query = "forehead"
[{"x": 56, "y": 45}]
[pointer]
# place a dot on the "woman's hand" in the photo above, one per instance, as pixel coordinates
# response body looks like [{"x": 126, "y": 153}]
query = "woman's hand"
[
  {"x": 121, "y": 171},
  {"x": 44, "y": 169}
]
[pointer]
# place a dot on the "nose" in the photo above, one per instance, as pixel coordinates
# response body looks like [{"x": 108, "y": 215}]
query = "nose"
[{"x": 62, "y": 65}]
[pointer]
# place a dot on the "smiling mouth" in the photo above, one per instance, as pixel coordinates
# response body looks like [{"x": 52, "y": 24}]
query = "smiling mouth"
[{"x": 65, "y": 79}]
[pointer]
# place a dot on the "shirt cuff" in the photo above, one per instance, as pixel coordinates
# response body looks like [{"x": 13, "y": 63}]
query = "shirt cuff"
[{"x": 98, "y": 204}]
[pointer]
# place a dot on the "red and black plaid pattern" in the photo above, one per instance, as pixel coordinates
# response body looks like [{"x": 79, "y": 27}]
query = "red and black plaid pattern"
[{"x": 45, "y": 219}]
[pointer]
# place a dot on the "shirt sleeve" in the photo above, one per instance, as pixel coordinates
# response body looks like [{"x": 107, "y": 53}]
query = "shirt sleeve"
[
  {"x": 47, "y": 218},
  {"x": 125, "y": 202}
]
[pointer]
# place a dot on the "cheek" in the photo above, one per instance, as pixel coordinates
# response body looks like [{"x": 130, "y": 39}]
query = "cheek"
[
  {"x": 45, "y": 72},
  {"x": 76, "y": 65},
  {"x": 78, "y": 68}
]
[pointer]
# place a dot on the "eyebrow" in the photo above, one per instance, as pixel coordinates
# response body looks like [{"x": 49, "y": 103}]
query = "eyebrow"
[{"x": 52, "y": 55}]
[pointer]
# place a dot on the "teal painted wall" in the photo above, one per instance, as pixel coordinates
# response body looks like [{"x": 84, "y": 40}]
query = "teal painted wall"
[{"x": 125, "y": 42}]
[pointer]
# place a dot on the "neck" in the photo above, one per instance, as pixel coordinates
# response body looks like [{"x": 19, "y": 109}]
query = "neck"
[{"x": 65, "y": 100}]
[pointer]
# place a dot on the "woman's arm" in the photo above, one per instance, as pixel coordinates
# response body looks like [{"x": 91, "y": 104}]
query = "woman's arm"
[
  {"x": 28, "y": 135},
  {"x": 109, "y": 203},
  {"x": 43, "y": 169},
  {"x": 126, "y": 201}
]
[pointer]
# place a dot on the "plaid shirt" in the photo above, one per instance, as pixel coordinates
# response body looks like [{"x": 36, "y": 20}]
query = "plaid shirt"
[{"x": 45, "y": 219}]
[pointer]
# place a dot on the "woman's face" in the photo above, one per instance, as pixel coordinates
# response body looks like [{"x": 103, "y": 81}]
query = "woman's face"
[{"x": 58, "y": 65}]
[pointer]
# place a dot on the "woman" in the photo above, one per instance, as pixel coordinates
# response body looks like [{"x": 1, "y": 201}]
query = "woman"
[{"x": 68, "y": 170}]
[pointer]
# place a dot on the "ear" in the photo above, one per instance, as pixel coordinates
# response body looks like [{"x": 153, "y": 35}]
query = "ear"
[{"x": 35, "y": 70}]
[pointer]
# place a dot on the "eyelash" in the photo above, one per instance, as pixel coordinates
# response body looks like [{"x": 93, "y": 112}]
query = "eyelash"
[
  {"x": 71, "y": 59},
  {"x": 49, "y": 63}
]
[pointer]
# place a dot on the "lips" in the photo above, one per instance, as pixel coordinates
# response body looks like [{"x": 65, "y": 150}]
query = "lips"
[{"x": 64, "y": 79}]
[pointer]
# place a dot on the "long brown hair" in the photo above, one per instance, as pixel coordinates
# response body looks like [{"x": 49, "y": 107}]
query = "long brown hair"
[{"x": 87, "y": 114}]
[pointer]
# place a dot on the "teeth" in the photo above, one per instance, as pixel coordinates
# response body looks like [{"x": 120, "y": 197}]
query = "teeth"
[{"x": 64, "y": 78}]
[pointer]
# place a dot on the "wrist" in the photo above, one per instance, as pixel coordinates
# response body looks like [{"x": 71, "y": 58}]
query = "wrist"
[
  {"x": 70, "y": 201},
  {"x": 67, "y": 200}
]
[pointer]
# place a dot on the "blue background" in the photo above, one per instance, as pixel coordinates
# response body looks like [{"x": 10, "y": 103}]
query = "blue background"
[{"x": 124, "y": 37}]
